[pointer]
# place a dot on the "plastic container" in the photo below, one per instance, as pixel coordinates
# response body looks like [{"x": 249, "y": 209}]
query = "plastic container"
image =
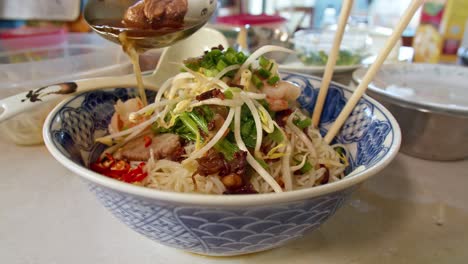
[
  {"x": 25, "y": 66},
  {"x": 32, "y": 37},
  {"x": 314, "y": 46}
]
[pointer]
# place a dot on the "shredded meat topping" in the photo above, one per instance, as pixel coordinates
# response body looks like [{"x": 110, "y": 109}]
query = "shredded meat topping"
[
  {"x": 282, "y": 117},
  {"x": 233, "y": 173},
  {"x": 238, "y": 165},
  {"x": 214, "y": 93},
  {"x": 326, "y": 175},
  {"x": 212, "y": 163}
]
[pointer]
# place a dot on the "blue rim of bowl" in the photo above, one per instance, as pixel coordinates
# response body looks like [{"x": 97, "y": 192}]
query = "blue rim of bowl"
[
  {"x": 459, "y": 111},
  {"x": 226, "y": 200}
]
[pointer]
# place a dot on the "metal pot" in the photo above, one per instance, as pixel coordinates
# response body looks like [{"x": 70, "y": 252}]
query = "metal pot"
[
  {"x": 426, "y": 133},
  {"x": 429, "y": 131}
]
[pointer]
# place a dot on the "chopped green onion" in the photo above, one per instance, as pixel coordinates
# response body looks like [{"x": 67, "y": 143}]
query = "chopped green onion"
[
  {"x": 210, "y": 73},
  {"x": 256, "y": 81},
  {"x": 192, "y": 66},
  {"x": 264, "y": 73},
  {"x": 215, "y": 60},
  {"x": 221, "y": 65},
  {"x": 241, "y": 58},
  {"x": 228, "y": 94},
  {"x": 271, "y": 66},
  {"x": 231, "y": 58},
  {"x": 215, "y": 53},
  {"x": 273, "y": 80},
  {"x": 305, "y": 123},
  {"x": 264, "y": 62},
  {"x": 306, "y": 168}
]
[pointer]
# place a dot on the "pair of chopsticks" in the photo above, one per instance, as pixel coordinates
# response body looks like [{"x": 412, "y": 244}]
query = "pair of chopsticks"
[{"x": 370, "y": 74}]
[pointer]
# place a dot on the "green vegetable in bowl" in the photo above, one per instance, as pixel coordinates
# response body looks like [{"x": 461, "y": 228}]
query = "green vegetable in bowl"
[{"x": 345, "y": 57}]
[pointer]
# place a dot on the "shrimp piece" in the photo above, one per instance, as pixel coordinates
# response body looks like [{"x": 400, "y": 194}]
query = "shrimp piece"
[
  {"x": 278, "y": 96},
  {"x": 277, "y": 104},
  {"x": 120, "y": 120}
]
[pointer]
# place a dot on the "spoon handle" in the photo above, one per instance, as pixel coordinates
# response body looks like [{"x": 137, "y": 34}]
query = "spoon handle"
[{"x": 22, "y": 102}]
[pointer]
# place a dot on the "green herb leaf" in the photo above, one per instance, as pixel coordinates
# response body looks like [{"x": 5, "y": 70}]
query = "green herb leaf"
[
  {"x": 276, "y": 136},
  {"x": 201, "y": 122},
  {"x": 207, "y": 112},
  {"x": 262, "y": 163},
  {"x": 227, "y": 148},
  {"x": 189, "y": 124}
]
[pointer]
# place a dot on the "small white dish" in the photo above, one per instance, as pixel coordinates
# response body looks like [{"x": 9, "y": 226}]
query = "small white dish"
[{"x": 293, "y": 64}]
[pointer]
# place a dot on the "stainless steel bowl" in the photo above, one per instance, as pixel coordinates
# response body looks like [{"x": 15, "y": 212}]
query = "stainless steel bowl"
[{"x": 429, "y": 131}]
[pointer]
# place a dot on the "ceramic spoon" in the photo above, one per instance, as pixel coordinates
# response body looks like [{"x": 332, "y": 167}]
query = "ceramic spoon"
[{"x": 167, "y": 67}]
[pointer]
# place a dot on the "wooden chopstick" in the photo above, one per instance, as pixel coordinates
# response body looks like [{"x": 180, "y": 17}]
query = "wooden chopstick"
[
  {"x": 372, "y": 71},
  {"x": 242, "y": 39},
  {"x": 331, "y": 62}
]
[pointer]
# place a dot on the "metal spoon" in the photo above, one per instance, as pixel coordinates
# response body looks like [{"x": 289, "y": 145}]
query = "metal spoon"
[
  {"x": 105, "y": 16},
  {"x": 193, "y": 46}
]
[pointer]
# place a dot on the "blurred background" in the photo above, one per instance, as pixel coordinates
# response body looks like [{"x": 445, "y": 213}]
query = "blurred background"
[{"x": 438, "y": 31}]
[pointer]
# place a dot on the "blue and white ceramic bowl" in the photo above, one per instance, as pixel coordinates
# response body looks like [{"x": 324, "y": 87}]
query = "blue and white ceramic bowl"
[{"x": 223, "y": 225}]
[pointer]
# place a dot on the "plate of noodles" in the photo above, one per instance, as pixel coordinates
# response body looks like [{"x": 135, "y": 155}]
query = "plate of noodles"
[{"x": 224, "y": 159}]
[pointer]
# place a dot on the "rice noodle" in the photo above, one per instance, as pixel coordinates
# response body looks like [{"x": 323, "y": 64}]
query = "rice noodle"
[{"x": 302, "y": 136}]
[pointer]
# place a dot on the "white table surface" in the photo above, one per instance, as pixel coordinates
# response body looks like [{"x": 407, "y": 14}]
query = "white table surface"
[{"x": 415, "y": 211}]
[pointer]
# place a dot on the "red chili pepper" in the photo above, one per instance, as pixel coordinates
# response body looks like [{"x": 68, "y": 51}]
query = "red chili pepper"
[
  {"x": 119, "y": 169},
  {"x": 148, "y": 141},
  {"x": 98, "y": 167},
  {"x": 120, "y": 166},
  {"x": 140, "y": 177}
]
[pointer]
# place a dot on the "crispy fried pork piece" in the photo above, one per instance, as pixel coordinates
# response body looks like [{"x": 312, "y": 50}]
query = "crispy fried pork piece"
[
  {"x": 212, "y": 163},
  {"x": 164, "y": 146}
]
